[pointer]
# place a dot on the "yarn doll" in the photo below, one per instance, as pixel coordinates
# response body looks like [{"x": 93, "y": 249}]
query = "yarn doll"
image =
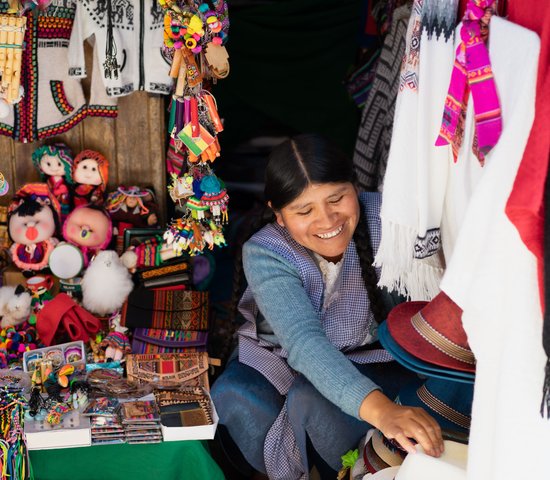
[
  {"x": 90, "y": 229},
  {"x": 33, "y": 220},
  {"x": 55, "y": 164},
  {"x": 90, "y": 175}
]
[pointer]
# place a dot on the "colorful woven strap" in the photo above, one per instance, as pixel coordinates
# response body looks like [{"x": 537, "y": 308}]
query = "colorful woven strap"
[{"x": 472, "y": 72}]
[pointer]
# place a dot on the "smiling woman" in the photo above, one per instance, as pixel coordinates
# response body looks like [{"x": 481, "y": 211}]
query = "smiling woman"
[{"x": 309, "y": 370}]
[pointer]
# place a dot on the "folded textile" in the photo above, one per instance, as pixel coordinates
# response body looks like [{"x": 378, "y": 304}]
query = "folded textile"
[{"x": 63, "y": 314}]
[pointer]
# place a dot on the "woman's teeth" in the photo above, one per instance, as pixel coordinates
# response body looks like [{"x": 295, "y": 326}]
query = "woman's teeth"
[{"x": 331, "y": 234}]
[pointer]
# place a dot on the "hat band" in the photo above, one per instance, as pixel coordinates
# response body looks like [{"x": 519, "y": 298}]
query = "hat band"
[
  {"x": 442, "y": 408},
  {"x": 441, "y": 342}
]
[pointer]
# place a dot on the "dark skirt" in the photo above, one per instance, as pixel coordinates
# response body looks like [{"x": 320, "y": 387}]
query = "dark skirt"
[{"x": 248, "y": 404}]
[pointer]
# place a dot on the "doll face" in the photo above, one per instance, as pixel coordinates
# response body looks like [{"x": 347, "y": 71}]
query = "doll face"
[
  {"x": 31, "y": 229},
  {"x": 87, "y": 172},
  {"x": 323, "y": 218},
  {"x": 131, "y": 202},
  {"x": 52, "y": 166},
  {"x": 87, "y": 227}
]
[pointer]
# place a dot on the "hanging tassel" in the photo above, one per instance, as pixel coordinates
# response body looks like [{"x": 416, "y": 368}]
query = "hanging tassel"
[{"x": 110, "y": 65}]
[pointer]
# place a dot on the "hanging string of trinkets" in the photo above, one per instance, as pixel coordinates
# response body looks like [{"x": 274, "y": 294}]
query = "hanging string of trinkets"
[
  {"x": 194, "y": 36},
  {"x": 14, "y": 459}
]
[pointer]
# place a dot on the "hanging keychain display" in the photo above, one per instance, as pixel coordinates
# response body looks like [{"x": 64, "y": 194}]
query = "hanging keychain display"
[{"x": 195, "y": 34}]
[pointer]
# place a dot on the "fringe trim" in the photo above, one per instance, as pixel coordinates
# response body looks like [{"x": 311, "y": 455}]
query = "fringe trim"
[
  {"x": 416, "y": 279},
  {"x": 545, "y": 404}
]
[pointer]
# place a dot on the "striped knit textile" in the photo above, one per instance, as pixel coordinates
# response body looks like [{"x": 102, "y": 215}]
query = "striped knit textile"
[
  {"x": 374, "y": 136},
  {"x": 344, "y": 321},
  {"x": 472, "y": 72}
]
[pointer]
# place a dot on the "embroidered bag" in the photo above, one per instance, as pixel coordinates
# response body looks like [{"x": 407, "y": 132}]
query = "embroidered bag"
[
  {"x": 159, "y": 340},
  {"x": 169, "y": 308},
  {"x": 167, "y": 370}
]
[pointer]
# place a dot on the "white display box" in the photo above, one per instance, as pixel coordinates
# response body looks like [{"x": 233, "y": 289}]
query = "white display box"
[
  {"x": 201, "y": 432},
  {"x": 73, "y": 431}
]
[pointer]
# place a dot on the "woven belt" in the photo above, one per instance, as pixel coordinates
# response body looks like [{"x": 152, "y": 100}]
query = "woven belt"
[
  {"x": 441, "y": 342},
  {"x": 442, "y": 408}
]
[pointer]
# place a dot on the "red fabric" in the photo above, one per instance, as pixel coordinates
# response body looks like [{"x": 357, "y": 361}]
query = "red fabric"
[
  {"x": 64, "y": 312},
  {"x": 525, "y": 207}
]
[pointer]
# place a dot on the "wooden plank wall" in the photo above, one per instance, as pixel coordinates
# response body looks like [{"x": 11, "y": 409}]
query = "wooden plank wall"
[{"x": 134, "y": 144}]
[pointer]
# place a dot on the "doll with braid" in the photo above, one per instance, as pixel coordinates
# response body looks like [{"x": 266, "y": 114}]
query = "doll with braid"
[{"x": 309, "y": 370}]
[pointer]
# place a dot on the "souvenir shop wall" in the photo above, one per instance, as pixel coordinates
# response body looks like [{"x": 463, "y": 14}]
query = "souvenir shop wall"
[{"x": 134, "y": 142}]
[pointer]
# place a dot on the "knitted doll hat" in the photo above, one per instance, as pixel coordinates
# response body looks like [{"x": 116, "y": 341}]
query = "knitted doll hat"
[
  {"x": 59, "y": 150},
  {"x": 34, "y": 191},
  {"x": 102, "y": 163}
]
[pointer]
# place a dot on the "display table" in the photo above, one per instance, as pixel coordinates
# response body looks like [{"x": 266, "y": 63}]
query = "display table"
[{"x": 185, "y": 460}]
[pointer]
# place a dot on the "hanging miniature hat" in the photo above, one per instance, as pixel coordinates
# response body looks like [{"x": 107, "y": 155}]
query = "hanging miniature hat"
[
  {"x": 102, "y": 163},
  {"x": 433, "y": 332},
  {"x": 448, "y": 402},
  {"x": 34, "y": 191}
]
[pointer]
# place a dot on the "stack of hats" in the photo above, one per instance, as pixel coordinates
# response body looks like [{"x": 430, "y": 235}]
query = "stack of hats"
[{"x": 428, "y": 338}]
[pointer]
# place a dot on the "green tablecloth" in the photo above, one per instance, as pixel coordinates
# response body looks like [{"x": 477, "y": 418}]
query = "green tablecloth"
[{"x": 186, "y": 460}]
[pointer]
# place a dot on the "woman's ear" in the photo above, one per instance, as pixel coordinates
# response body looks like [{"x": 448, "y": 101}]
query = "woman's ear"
[{"x": 278, "y": 215}]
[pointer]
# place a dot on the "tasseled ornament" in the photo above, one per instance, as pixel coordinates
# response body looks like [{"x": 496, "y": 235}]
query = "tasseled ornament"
[{"x": 110, "y": 65}]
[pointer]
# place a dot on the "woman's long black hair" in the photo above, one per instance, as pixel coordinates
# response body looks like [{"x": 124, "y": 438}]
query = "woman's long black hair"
[{"x": 294, "y": 165}]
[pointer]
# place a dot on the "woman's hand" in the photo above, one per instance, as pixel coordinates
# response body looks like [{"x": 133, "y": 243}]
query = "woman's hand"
[{"x": 402, "y": 423}]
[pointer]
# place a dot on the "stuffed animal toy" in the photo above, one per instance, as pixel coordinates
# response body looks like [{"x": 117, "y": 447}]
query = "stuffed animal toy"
[
  {"x": 33, "y": 221},
  {"x": 15, "y": 306},
  {"x": 90, "y": 229},
  {"x": 90, "y": 175},
  {"x": 106, "y": 284},
  {"x": 55, "y": 164}
]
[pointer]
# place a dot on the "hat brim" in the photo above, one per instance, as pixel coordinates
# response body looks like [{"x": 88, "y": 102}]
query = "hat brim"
[
  {"x": 407, "y": 396},
  {"x": 403, "y": 332},
  {"x": 417, "y": 365}
]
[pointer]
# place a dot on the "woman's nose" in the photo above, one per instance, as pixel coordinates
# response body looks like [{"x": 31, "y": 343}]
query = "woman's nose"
[{"x": 325, "y": 217}]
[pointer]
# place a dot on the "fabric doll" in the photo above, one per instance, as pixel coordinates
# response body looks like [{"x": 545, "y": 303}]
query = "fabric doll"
[
  {"x": 89, "y": 228},
  {"x": 33, "y": 221},
  {"x": 90, "y": 175},
  {"x": 55, "y": 163},
  {"x": 131, "y": 207}
]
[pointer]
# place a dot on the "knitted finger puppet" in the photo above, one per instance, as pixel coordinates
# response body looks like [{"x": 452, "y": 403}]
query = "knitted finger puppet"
[
  {"x": 55, "y": 164},
  {"x": 33, "y": 221},
  {"x": 89, "y": 228},
  {"x": 90, "y": 175}
]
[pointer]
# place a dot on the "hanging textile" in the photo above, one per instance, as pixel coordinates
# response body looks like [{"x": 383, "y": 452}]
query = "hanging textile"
[
  {"x": 374, "y": 136},
  {"x": 414, "y": 185}
]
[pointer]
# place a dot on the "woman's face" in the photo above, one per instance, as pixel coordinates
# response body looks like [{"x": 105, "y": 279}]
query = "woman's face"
[{"x": 323, "y": 218}]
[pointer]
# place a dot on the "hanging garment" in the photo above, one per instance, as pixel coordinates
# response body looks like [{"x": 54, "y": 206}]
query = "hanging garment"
[
  {"x": 492, "y": 277},
  {"x": 52, "y": 102},
  {"x": 137, "y": 30},
  {"x": 374, "y": 135},
  {"x": 414, "y": 185},
  {"x": 525, "y": 205}
]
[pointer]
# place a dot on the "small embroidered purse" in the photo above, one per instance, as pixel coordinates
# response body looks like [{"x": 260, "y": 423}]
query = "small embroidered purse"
[{"x": 159, "y": 340}]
